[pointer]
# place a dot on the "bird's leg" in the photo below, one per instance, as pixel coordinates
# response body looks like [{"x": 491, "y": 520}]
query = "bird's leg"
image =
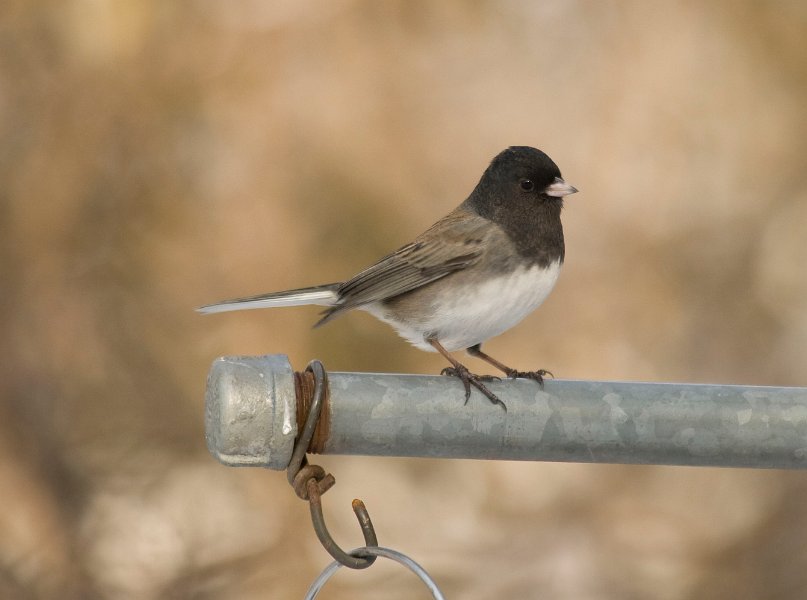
[
  {"x": 538, "y": 375},
  {"x": 460, "y": 371}
]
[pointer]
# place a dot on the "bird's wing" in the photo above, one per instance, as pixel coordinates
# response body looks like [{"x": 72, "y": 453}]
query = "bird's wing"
[{"x": 453, "y": 243}]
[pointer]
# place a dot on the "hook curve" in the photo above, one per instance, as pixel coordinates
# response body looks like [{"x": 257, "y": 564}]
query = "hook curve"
[{"x": 317, "y": 518}]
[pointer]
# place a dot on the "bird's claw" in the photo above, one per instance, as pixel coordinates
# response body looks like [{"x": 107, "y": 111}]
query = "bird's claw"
[
  {"x": 537, "y": 376},
  {"x": 469, "y": 379}
]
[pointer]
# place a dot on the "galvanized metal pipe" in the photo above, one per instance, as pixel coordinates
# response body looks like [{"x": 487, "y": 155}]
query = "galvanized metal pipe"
[{"x": 251, "y": 419}]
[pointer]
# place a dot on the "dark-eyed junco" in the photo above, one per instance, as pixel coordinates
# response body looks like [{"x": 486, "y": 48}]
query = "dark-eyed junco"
[{"x": 471, "y": 276}]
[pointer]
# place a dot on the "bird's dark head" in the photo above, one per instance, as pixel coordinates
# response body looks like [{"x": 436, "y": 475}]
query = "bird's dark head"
[
  {"x": 523, "y": 172},
  {"x": 522, "y": 192}
]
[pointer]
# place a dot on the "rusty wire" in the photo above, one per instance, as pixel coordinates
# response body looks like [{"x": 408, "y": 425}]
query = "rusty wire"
[{"x": 311, "y": 481}]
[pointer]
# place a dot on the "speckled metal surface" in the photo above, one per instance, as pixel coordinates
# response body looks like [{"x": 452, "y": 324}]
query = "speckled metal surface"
[
  {"x": 382, "y": 414},
  {"x": 578, "y": 421}
]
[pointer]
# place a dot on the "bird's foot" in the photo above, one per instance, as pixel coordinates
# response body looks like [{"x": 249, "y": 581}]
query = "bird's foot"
[
  {"x": 534, "y": 375},
  {"x": 469, "y": 379}
]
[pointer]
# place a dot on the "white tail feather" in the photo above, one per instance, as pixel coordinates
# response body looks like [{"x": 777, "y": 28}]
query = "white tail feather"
[{"x": 318, "y": 296}]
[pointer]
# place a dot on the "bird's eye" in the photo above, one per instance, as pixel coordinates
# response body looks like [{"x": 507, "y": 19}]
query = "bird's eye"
[{"x": 527, "y": 185}]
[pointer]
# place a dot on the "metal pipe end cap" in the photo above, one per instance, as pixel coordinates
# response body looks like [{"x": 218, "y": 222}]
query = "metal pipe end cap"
[{"x": 250, "y": 411}]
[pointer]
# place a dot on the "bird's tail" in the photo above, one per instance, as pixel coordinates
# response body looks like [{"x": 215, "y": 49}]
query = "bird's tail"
[{"x": 322, "y": 295}]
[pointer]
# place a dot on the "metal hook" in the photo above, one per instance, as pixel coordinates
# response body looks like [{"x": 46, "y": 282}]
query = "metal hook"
[
  {"x": 311, "y": 481},
  {"x": 360, "y": 561}
]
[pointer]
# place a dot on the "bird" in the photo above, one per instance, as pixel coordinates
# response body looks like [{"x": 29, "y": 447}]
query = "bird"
[{"x": 471, "y": 276}]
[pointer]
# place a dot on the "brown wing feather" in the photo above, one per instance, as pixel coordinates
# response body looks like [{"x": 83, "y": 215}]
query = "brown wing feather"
[{"x": 453, "y": 243}]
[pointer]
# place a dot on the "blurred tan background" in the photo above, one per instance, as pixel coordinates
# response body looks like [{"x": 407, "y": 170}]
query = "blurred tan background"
[{"x": 155, "y": 156}]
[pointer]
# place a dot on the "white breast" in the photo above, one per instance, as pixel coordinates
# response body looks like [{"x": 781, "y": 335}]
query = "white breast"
[{"x": 475, "y": 313}]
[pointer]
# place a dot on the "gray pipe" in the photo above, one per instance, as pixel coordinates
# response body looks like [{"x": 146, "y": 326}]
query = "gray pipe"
[{"x": 251, "y": 419}]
